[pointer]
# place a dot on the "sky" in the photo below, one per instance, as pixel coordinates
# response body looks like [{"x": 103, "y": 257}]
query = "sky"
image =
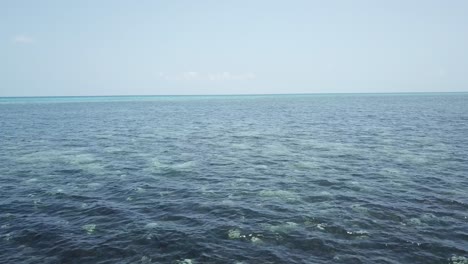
[{"x": 175, "y": 47}]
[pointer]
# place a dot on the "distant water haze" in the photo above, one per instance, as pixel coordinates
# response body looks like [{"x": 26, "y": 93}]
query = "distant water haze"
[{"x": 62, "y": 48}]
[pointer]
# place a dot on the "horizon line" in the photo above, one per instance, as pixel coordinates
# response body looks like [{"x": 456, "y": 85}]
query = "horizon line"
[{"x": 240, "y": 94}]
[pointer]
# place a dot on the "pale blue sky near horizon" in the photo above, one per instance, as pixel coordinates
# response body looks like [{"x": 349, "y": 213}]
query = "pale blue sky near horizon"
[{"x": 74, "y": 48}]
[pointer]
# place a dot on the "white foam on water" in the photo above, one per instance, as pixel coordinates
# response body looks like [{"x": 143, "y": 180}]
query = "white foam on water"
[
  {"x": 185, "y": 261},
  {"x": 359, "y": 186},
  {"x": 139, "y": 190},
  {"x": 183, "y": 166},
  {"x": 37, "y": 202},
  {"x": 83, "y": 158},
  {"x": 242, "y": 180},
  {"x": 429, "y": 218},
  {"x": 358, "y": 208},
  {"x": 8, "y": 216},
  {"x": 255, "y": 240},
  {"x": 459, "y": 260},
  {"x": 145, "y": 260},
  {"x": 89, "y": 228},
  {"x": 8, "y": 236},
  {"x": 41, "y": 157},
  {"x": 321, "y": 226},
  {"x": 282, "y": 228},
  {"x": 261, "y": 166},
  {"x": 414, "y": 222},
  {"x": 205, "y": 191},
  {"x": 158, "y": 166},
  {"x": 228, "y": 202},
  {"x": 391, "y": 171},
  {"x": 282, "y": 194},
  {"x": 94, "y": 168},
  {"x": 113, "y": 150},
  {"x": 93, "y": 185},
  {"x": 152, "y": 225},
  {"x": 84, "y": 161},
  {"x": 325, "y": 193},
  {"x": 234, "y": 234},
  {"x": 276, "y": 149},
  {"x": 32, "y": 180},
  {"x": 406, "y": 156},
  {"x": 358, "y": 233},
  {"x": 241, "y": 146},
  {"x": 55, "y": 191}
]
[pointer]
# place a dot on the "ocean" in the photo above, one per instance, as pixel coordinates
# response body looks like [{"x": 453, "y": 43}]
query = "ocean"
[{"x": 331, "y": 178}]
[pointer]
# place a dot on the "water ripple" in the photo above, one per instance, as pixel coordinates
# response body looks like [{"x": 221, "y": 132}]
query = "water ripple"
[{"x": 267, "y": 179}]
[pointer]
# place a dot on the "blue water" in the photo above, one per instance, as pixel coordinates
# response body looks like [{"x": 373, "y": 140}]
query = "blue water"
[{"x": 235, "y": 179}]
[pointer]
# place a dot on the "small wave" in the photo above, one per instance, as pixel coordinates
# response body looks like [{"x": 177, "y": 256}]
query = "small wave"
[{"x": 307, "y": 165}]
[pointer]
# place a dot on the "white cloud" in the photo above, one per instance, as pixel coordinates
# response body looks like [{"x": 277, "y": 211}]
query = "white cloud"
[
  {"x": 22, "y": 39},
  {"x": 191, "y": 75},
  {"x": 230, "y": 76},
  {"x": 198, "y": 76}
]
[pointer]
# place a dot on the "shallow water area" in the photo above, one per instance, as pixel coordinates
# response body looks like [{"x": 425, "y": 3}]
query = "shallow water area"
[{"x": 370, "y": 178}]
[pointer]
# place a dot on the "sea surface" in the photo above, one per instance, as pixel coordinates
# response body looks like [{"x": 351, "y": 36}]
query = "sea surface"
[{"x": 363, "y": 178}]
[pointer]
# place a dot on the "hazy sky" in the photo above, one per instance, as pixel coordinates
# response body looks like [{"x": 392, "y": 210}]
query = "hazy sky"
[{"x": 230, "y": 47}]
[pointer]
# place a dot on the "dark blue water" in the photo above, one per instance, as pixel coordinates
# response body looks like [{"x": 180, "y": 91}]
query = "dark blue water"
[{"x": 235, "y": 179}]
